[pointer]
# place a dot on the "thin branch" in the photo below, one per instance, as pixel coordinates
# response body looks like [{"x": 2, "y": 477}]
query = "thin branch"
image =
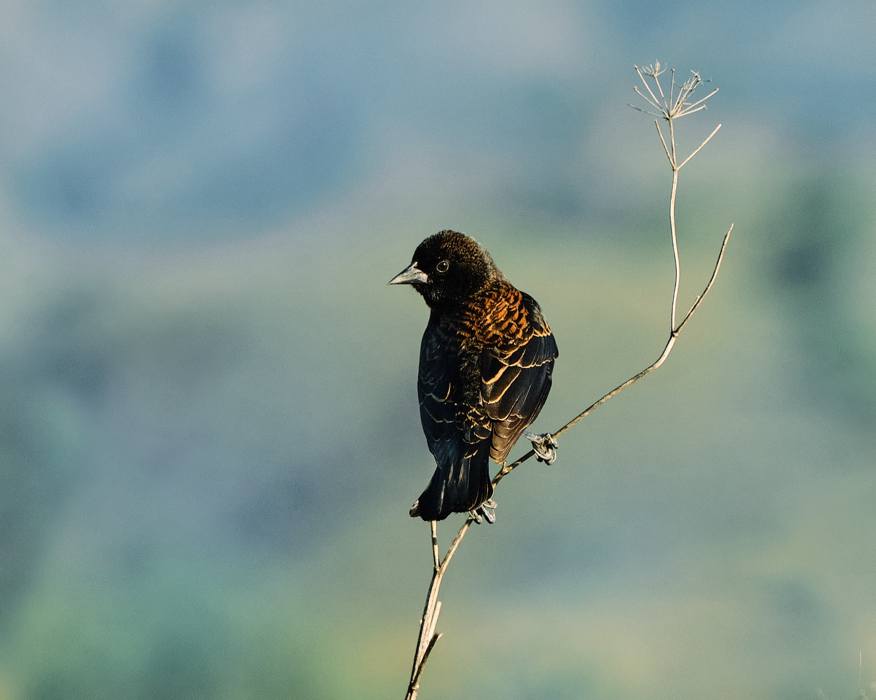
[
  {"x": 429, "y": 610},
  {"x": 656, "y": 77},
  {"x": 664, "y": 354},
  {"x": 656, "y": 105},
  {"x": 685, "y": 89},
  {"x": 687, "y": 108},
  {"x": 670, "y": 110},
  {"x": 433, "y": 623},
  {"x": 663, "y": 143},
  {"x": 432, "y": 609},
  {"x": 700, "y": 147},
  {"x": 656, "y": 102},
  {"x": 454, "y": 545},
  {"x": 414, "y": 685},
  {"x": 649, "y": 112},
  {"x": 672, "y": 229},
  {"x": 685, "y": 112},
  {"x": 702, "y": 294},
  {"x": 674, "y": 236}
]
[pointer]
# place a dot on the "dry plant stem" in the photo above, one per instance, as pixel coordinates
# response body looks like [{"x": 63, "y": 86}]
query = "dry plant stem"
[
  {"x": 698, "y": 148},
  {"x": 664, "y": 354},
  {"x": 674, "y": 304},
  {"x": 669, "y": 110},
  {"x": 427, "y": 637}
]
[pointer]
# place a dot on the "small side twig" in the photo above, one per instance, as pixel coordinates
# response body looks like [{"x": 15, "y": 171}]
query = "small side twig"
[
  {"x": 699, "y": 148},
  {"x": 668, "y": 108}
]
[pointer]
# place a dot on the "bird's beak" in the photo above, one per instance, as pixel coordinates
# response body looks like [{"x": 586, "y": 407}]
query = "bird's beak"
[{"x": 410, "y": 275}]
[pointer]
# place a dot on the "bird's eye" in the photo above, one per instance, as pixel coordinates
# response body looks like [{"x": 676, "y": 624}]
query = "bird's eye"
[{"x": 442, "y": 266}]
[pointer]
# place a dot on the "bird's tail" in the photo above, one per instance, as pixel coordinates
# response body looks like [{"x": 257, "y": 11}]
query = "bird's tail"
[{"x": 457, "y": 486}]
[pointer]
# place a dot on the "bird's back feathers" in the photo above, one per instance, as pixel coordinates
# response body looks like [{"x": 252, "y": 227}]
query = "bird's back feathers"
[{"x": 485, "y": 373}]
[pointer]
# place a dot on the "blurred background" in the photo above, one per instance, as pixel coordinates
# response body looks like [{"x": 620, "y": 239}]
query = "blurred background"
[{"x": 208, "y": 422}]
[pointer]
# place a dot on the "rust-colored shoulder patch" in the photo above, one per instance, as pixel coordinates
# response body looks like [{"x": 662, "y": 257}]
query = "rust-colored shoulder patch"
[{"x": 496, "y": 318}]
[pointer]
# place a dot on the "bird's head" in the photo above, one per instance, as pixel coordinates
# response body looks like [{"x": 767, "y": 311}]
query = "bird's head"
[{"x": 447, "y": 268}]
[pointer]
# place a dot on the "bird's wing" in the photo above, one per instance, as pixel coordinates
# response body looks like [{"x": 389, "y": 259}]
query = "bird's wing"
[
  {"x": 457, "y": 432},
  {"x": 516, "y": 374},
  {"x": 451, "y": 419},
  {"x": 435, "y": 383}
]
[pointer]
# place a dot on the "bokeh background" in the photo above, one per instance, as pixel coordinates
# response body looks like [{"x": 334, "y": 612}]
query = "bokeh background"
[{"x": 208, "y": 423}]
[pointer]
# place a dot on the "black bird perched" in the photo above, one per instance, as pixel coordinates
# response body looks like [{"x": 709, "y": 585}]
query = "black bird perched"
[{"x": 485, "y": 368}]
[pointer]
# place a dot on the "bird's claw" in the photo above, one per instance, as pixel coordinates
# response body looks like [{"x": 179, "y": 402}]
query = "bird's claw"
[
  {"x": 486, "y": 510},
  {"x": 544, "y": 446}
]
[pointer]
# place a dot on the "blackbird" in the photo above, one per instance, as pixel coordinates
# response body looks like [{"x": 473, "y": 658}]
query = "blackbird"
[{"x": 485, "y": 369}]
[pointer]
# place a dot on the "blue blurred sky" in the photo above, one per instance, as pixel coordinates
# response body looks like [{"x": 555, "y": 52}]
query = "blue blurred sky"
[{"x": 155, "y": 121}]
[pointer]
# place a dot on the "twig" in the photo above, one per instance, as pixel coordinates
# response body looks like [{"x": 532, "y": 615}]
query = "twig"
[
  {"x": 427, "y": 637},
  {"x": 663, "y": 142},
  {"x": 414, "y": 686},
  {"x": 675, "y": 107},
  {"x": 695, "y": 107},
  {"x": 664, "y": 354},
  {"x": 699, "y": 148},
  {"x": 711, "y": 281},
  {"x": 654, "y": 99},
  {"x": 674, "y": 236}
]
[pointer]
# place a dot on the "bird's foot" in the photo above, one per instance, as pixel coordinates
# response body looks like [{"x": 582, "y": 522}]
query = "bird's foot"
[
  {"x": 544, "y": 446},
  {"x": 486, "y": 510}
]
